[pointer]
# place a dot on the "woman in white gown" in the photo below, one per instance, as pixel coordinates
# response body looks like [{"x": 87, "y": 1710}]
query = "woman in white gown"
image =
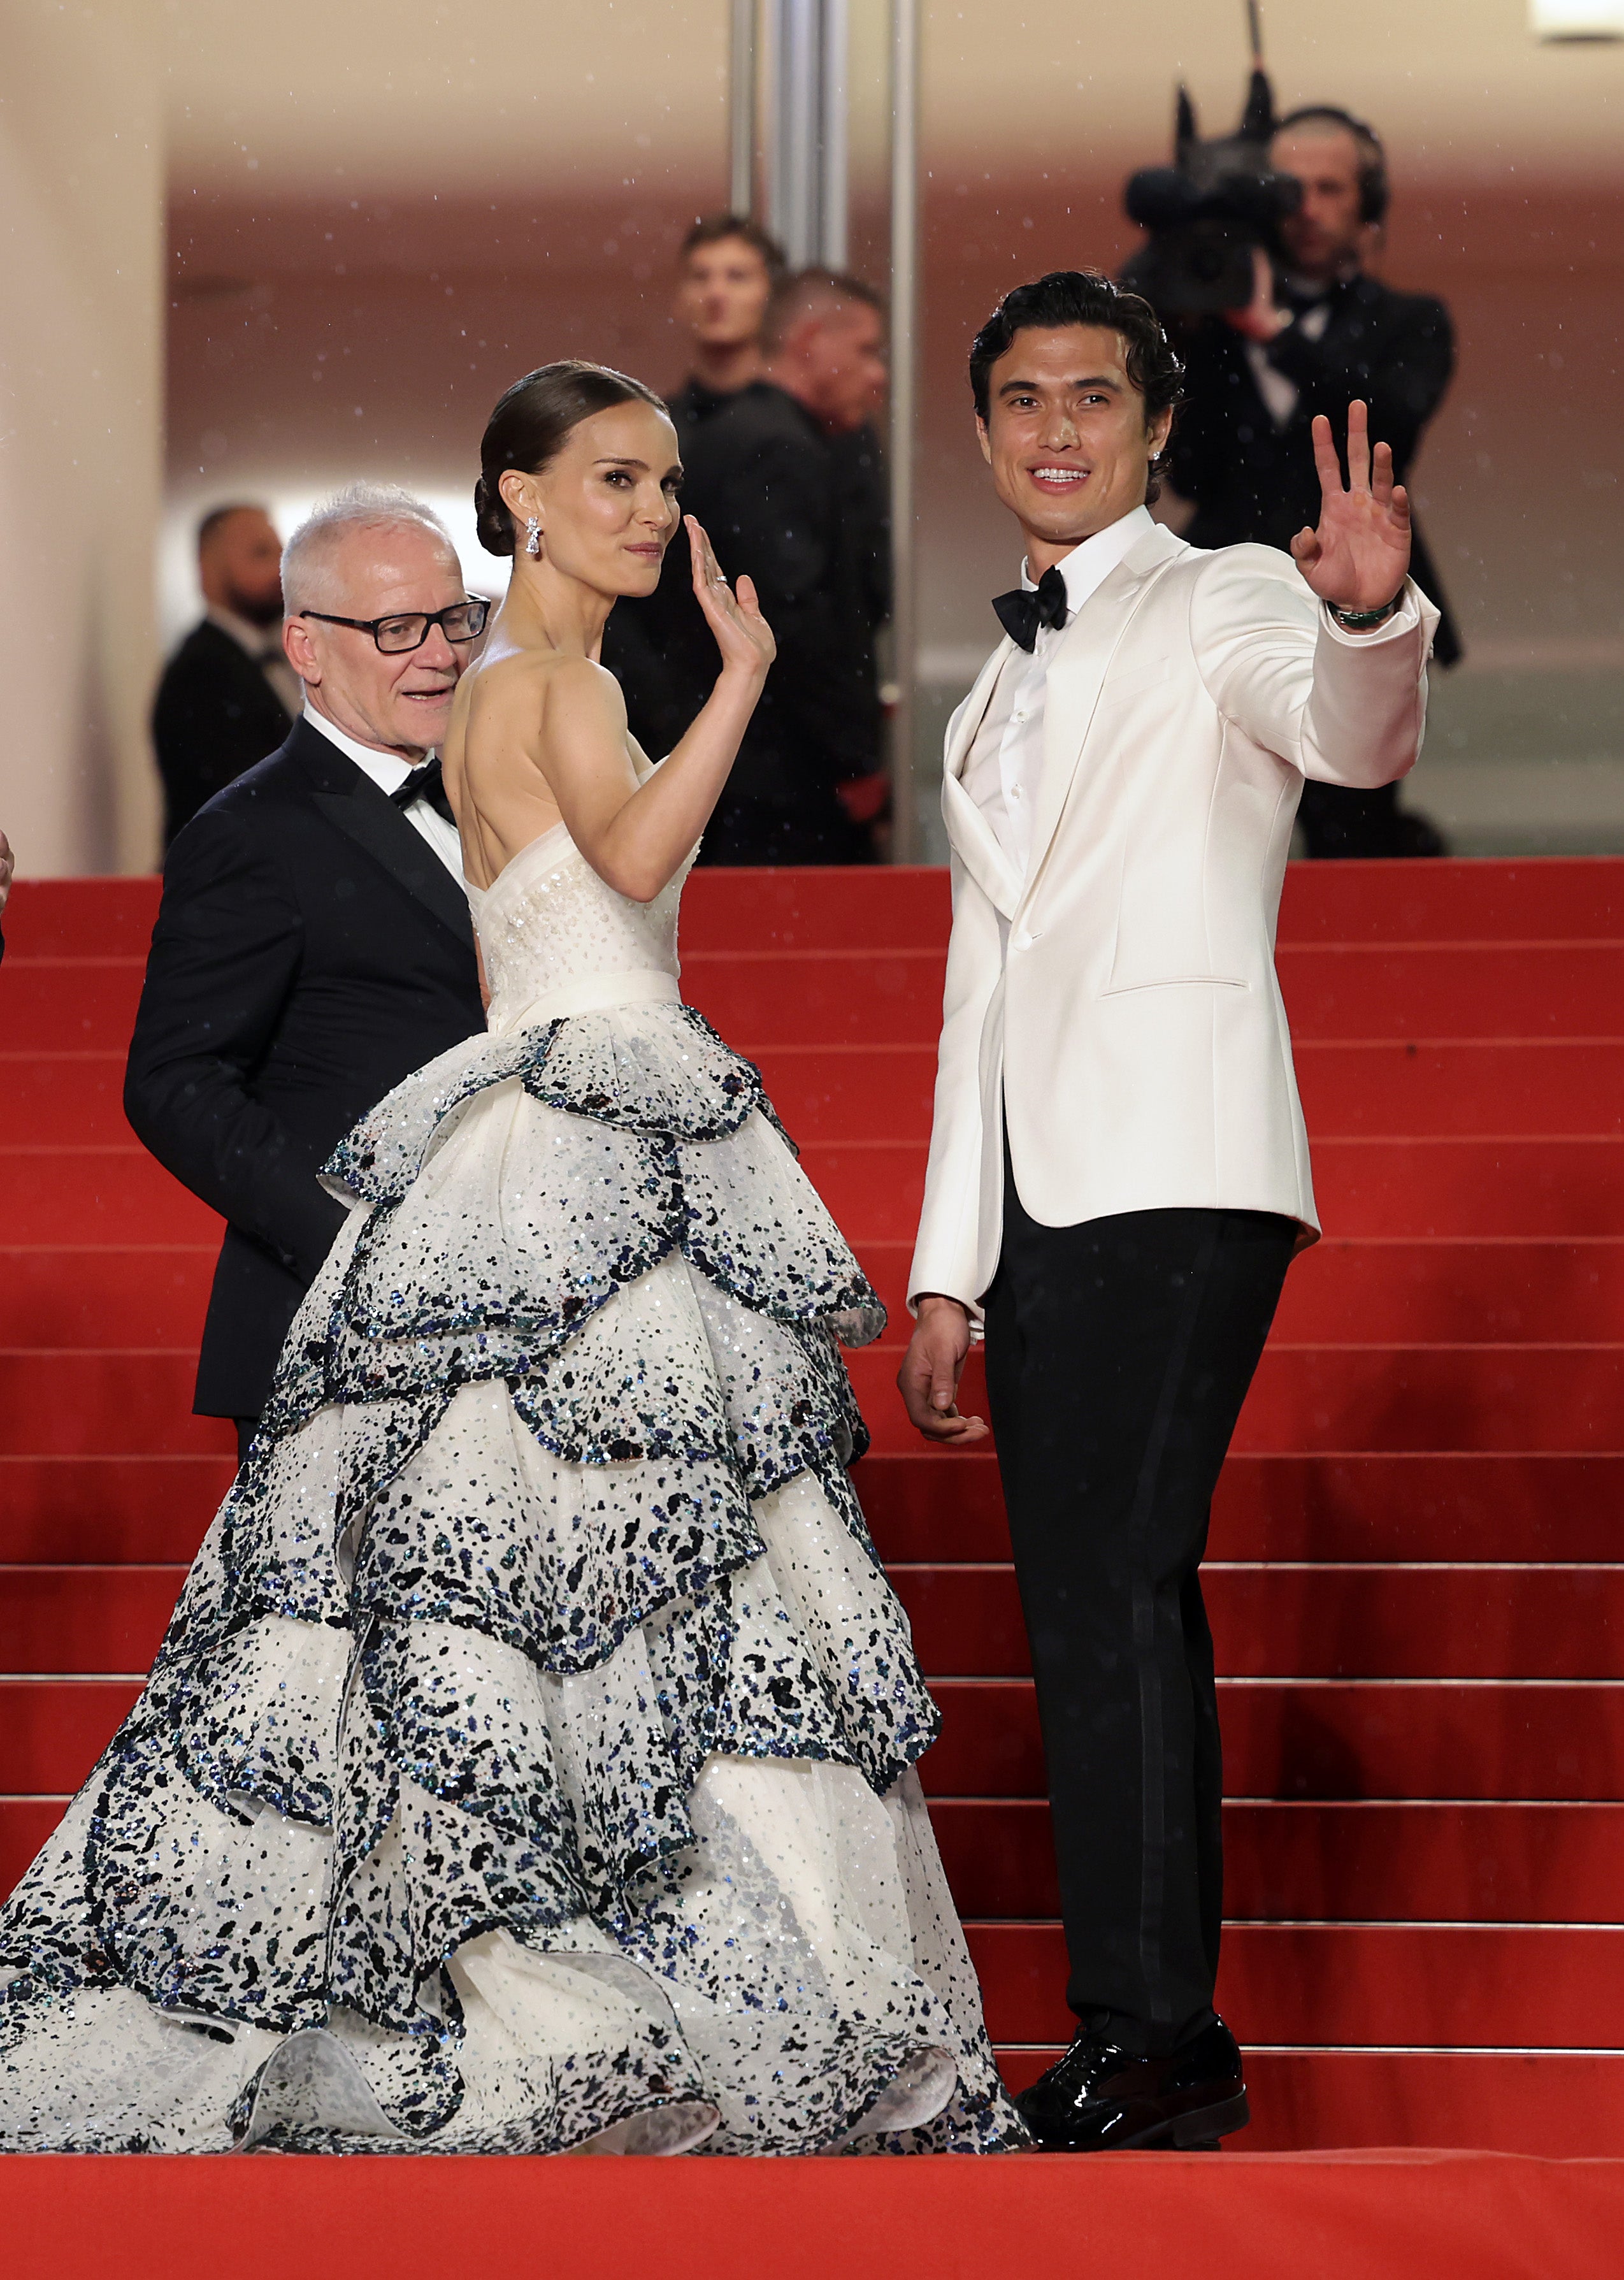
[{"x": 528, "y": 1764}]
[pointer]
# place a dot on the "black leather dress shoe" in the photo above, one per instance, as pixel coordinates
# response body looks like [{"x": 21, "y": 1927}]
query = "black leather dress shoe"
[{"x": 1099, "y": 2097}]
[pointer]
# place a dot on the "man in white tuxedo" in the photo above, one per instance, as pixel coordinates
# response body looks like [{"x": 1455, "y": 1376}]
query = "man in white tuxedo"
[{"x": 1118, "y": 1172}]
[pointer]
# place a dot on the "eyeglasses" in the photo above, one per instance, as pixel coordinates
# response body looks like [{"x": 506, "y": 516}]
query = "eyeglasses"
[{"x": 463, "y": 622}]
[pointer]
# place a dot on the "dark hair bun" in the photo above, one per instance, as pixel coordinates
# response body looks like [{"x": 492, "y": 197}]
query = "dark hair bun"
[
  {"x": 529, "y": 426},
  {"x": 492, "y": 519}
]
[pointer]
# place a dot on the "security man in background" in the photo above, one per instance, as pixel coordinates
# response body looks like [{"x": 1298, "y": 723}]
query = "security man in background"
[
  {"x": 728, "y": 267},
  {"x": 228, "y": 694},
  {"x": 785, "y": 475},
  {"x": 1318, "y": 333}
]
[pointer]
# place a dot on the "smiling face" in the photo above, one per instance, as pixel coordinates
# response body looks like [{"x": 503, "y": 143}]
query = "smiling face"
[
  {"x": 606, "y": 501},
  {"x": 1065, "y": 437},
  {"x": 722, "y": 293},
  {"x": 399, "y": 704}
]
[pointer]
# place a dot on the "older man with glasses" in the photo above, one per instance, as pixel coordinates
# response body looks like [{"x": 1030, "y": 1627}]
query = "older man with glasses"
[{"x": 314, "y": 944}]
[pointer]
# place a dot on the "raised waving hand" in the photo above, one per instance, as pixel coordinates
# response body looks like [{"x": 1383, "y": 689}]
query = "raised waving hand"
[
  {"x": 742, "y": 634},
  {"x": 1360, "y": 557}
]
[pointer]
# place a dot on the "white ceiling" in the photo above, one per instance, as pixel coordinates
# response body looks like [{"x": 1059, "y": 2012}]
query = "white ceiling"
[{"x": 306, "y": 94}]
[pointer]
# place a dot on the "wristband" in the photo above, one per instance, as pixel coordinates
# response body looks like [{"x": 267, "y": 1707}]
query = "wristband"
[{"x": 1360, "y": 621}]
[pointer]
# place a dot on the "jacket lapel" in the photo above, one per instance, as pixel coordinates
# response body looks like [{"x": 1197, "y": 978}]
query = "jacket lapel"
[
  {"x": 354, "y": 805},
  {"x": 1077, "y": 676},
  {"x": 969, "y": 832}
]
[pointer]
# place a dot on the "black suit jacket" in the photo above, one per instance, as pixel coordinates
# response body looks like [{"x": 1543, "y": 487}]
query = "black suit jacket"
[
  {"x": 215, "y": 714},
  {"x": 805, "y": 514},
  {"x": 310, "y": 951},
  {"x": 1252, "y": 481}
]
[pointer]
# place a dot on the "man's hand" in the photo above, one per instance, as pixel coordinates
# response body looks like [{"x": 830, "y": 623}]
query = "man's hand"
[
  {"x": 929, "y": 1378},
  {"x": 1262, "y": 319},
  {"x": 1360, "y": 557},
  {"x": 865, "y": 798}
]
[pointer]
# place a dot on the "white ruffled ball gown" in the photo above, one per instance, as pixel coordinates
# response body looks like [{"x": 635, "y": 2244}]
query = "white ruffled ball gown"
[{"x": 528, "y": 1764}]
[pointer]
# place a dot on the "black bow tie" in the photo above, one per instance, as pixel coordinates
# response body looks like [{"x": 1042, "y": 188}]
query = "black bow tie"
[
  {"x": 1021, "y": 613},
  {"x": 426, "y": 783}
]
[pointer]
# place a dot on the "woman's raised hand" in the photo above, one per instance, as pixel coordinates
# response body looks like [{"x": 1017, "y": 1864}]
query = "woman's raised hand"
[
  {"x": 742, "y": 634},
  {"x": 1359, "y": 556}
]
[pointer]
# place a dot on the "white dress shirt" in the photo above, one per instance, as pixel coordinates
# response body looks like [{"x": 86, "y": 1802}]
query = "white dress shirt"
[
  {"x": 266, "y": 648},
  {"x": 389, "y": 774},
  {"x": 1000, "y": 774}
]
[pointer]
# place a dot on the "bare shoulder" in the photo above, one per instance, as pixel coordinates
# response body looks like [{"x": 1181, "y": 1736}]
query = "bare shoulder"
[
  {"x": 524, "y": 687},
  {"x": 580, "y": 681}
]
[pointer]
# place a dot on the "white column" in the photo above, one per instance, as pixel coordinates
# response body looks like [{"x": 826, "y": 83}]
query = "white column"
[{"x": 81, "y": 298}]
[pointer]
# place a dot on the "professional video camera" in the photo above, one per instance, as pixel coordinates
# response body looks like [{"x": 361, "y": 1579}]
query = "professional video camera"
[{"x": 1209, "y": 210}]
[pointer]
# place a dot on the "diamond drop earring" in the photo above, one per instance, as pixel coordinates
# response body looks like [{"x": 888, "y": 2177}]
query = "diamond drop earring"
[{"x": 533, "y": 534}]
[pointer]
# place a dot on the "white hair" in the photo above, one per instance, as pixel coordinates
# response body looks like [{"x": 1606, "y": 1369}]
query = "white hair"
[{"x": 308, "y": 580}]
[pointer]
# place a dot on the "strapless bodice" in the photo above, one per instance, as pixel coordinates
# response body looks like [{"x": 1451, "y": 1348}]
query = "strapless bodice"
[{"x": 558, "y": 941}]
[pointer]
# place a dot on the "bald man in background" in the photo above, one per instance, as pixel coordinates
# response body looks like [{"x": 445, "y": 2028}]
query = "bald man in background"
[
  {"x": 228, "y": 694},
  {"x": 1319, "y": 333}
]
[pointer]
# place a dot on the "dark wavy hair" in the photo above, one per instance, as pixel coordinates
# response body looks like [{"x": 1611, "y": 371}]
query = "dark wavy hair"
[
  {"x": 1084, "y": 296},
  {"x": 715, "y": 230},
  {"x": 528, "y": 427}
]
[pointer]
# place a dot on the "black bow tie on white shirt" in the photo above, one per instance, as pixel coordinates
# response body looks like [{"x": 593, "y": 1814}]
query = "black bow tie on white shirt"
[
  {"x": 424, "y": 783},
  {"x": 1022, "y": 613}
]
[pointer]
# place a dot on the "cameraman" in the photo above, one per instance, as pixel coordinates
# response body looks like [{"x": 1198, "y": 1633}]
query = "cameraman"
[{"x": 1317, "y": 333}]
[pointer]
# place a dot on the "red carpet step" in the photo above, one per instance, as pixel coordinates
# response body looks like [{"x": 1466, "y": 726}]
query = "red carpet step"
[
  {"x": 1406, "y": 2215},
  {"x": 1349, "y": 1739},
  {"x": 1315, "y": 1862},
  {"x": 1269, "y": 1620},
  {"x": 1349, "y": 1505},
  {"x": 1466, "y": 1087},
  {"x": 1447, "y": 1290},
  {"x": 1342, "y": 1986},
  {"x": 1415, "y": 1579},
  {"x": 763, "y": 998},
  {"x": 1332, "y": 1737}
]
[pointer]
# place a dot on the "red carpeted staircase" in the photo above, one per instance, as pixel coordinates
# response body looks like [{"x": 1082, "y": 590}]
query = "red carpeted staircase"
[{"x": 1415, "y": 1579}]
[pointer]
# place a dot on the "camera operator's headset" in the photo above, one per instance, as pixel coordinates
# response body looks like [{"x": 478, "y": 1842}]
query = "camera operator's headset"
[{"x": 1374, "y": 191}]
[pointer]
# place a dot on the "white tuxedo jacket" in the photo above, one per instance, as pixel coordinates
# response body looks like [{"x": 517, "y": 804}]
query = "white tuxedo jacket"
[{"x": 1118, "y": 1006}]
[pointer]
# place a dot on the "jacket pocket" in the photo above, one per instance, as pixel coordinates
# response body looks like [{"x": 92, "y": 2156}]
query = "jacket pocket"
[{"x": 1179, "y": 981}]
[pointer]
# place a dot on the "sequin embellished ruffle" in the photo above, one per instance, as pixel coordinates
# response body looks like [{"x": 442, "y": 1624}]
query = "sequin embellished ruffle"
[{"x": 529, "y": 1758}]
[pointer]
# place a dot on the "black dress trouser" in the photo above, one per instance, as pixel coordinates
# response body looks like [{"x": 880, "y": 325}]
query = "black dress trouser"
[{"x": 1118, "y": 1354}]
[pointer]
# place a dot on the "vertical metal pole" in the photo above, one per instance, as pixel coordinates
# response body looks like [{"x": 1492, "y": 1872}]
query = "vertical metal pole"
[
  {"x": 832, "y": 190},
  {"x": 794, "y": 82},
  {"x": 904, "y": 403},
  {"x": 806, "y": 136},
  {"x": 741, "y": 109}
]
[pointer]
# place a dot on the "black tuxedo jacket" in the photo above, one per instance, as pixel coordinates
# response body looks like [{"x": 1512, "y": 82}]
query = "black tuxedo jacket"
[
  {"x": 215, "y": 715},
  {"x": 805, "y": 514},
  {"x": 1252, "y": 480},
  {"x": 310, "y": 951}
]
